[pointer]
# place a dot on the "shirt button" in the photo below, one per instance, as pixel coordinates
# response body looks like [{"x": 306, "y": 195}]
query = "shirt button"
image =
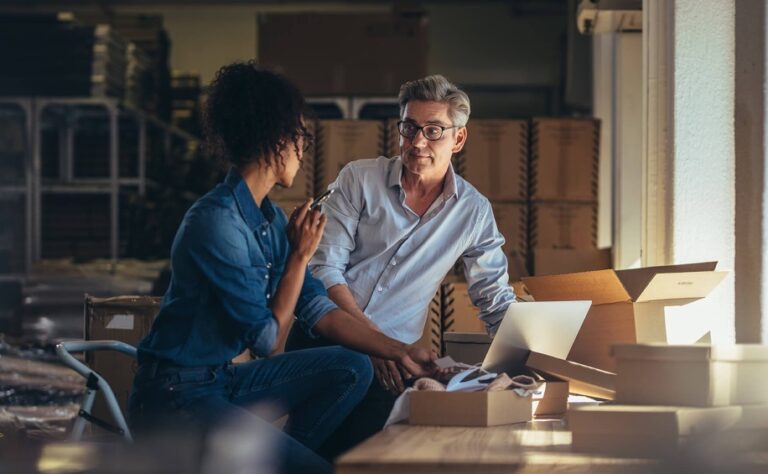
[
  {"x": 268, "y": 295},
  {"x": 393, "y": 263},
  {"x": 269, "y": 264},
  {"x": 380, "y": 289},
  {"x": 263, "y": 232},
  {"x": 266, "y": 277}
]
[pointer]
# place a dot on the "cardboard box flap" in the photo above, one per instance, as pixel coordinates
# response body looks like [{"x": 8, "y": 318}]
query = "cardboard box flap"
[
  {"x": 601, "y": 286},
  {"x": 636, "y": 279},
  {"x": 651, "y": 420},
  {"x": 583, "y": 379},
  {"x": 691, "y": 352},
  {"x": 690, "y": 285}
]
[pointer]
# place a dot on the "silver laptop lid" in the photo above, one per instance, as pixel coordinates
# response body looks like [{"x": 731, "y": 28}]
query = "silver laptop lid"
[{"x": 548, "y": 327}]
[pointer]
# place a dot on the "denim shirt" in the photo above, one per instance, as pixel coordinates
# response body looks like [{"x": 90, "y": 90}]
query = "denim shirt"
[
  {"x": 226, "y": 262},
  {"x": 394, "y": 260}
]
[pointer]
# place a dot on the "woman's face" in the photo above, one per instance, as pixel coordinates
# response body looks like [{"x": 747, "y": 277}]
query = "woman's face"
[{"x": 291, "y": 156}]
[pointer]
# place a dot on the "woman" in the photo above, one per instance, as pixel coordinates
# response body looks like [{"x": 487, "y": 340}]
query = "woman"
[{"x": 238, "y": 277}]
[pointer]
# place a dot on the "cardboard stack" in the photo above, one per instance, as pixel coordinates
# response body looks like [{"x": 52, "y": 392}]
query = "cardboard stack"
[
  {"x": 392, "y": 142},
  {"x": 185, "y": 101},
  {"x": 495, "y": 161},
  {"x": 85, "y": 61},
  {"x": 343, "y": 54},
  {"x": 341, "y": 141},
  {"x": 432, "y": 337},
  {"x": 670, "y": 396},
  {"x": 564, "y": 155}
]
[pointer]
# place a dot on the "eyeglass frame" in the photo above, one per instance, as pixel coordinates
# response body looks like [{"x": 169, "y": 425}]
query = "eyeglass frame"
[{"x": 421, "y": 129}]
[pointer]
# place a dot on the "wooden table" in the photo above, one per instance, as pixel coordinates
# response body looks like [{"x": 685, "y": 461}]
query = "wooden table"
[{"x": 537, "y": 446}]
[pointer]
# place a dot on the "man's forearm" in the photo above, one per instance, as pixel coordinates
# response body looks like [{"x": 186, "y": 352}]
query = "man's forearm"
[
  {"x": 342, "y": 296},
  {"x": 340, "y": 326}
]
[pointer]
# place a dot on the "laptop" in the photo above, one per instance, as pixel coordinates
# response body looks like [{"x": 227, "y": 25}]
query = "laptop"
[{"x": 548, "y": 327}]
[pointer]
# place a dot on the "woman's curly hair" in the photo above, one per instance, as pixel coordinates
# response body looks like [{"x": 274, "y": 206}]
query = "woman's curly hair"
[{"x": 252, "y": 113}]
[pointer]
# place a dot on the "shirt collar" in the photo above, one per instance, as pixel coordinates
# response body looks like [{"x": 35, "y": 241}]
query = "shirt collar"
[
  {"x": 252, "y": 214},
  {"x": 396, "y": 175}
]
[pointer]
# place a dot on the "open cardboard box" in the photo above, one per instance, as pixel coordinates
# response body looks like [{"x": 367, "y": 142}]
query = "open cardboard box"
[{"x": 628, "y": 306}]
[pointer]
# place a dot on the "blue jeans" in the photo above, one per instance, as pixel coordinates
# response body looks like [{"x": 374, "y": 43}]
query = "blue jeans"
[{"x": 317, "y": 388}]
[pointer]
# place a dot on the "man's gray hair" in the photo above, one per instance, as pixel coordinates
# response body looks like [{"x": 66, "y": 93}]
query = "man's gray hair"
[{"x": 437, "y": 88}]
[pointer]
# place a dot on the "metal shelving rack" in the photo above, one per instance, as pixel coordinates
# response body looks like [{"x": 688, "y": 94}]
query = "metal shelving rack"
[{"x": 35, "y": 185}]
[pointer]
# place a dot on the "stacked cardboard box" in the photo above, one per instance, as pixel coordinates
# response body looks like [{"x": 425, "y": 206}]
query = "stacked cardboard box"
[
  {"x": 341, "y": 141},
  {"x": 564, "y": 155},
  {"x": 53, "y": 55},
  {"x": 185, "y": 101},
  {"x": 392, "y": 140},
  {"x": 432, "y": 337},
  {"x": 495, "y": 161},
  {"x": 149, "y": 78},
  {"x": 670, "y": 396},
  {"x": 343, "y": 54}
]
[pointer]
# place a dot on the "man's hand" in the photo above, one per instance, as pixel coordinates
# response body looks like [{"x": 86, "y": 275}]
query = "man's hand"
[
  {"x": 388, "y": 375},
  {"x": 418, "y": 362}
]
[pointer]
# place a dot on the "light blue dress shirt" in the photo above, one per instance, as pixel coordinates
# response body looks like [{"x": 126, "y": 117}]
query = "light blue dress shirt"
[{"x": 393, "y": 261}]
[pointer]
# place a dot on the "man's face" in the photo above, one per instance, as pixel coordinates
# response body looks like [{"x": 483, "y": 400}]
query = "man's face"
[{"x": 430, "y": 157}]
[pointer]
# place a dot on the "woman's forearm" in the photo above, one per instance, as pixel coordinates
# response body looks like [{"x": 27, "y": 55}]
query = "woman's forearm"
[{"x": 286, "y": 296}]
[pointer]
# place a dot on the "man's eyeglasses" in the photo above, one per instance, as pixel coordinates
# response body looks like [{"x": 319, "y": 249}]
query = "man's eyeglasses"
[{"x": 431, "y": 132}]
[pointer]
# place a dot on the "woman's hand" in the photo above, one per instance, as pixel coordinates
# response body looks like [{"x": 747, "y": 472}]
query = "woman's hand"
[{"x": 305, "y": 228}]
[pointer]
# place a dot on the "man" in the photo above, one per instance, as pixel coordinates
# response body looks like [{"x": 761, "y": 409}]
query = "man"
[{"x": 395, "y": 228}]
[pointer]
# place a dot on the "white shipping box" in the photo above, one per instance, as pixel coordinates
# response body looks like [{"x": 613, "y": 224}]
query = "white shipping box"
[
  {"x": 691, "y": 375},
  {"x": 654, "y": 431}
]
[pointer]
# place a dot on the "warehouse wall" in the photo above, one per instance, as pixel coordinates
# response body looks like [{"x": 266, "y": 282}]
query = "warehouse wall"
[
  {"x": 489, "y": 46},
  {"x": 703, "y": 194},
  {"x": 751, "y": 200}
]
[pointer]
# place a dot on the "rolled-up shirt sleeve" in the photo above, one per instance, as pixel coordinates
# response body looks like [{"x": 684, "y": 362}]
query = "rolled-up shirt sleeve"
[
  {"x": 220, "y": 251},
  {"x": 313, "y": 304},
  {"x": 343, "y": 212},
  {"x": 485, "y": 268}
]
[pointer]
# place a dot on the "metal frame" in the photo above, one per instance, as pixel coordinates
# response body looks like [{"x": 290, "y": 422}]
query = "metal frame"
[
  {"x": 95, "y": 383},
  {"x": 67, "y": 182},
  {"x": 343, "y": 103},
  {"x": 26, "y": 106},
  {"x": 357, "y": 103}
]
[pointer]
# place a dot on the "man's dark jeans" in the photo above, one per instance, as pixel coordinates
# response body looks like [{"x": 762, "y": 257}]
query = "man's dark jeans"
[{"x": 317, "y": 388}]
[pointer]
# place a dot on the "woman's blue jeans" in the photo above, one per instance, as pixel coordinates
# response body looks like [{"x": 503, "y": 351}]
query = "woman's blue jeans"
[{"x": 317, "y": 388}]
